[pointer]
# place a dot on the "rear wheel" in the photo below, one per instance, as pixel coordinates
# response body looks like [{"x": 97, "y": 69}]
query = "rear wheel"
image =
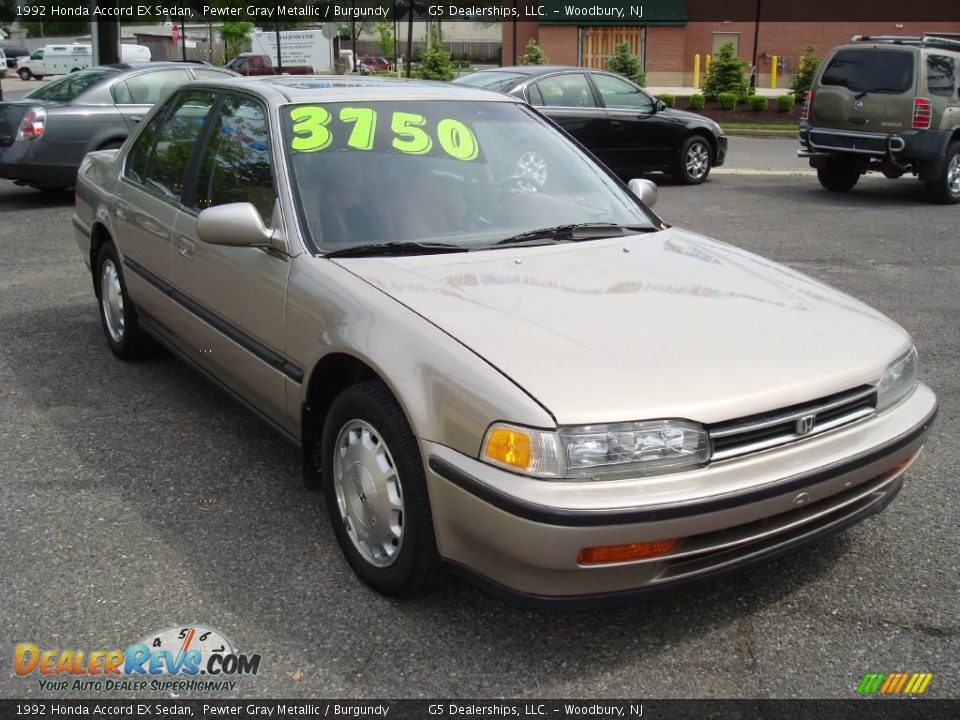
[
  {"x": 838, "y": 176},
  {"x": 117, "y": 314},
  {"x": 696, "y": 159},
  {"x": 376, "y": 493},
  {"x": 946, "y": 190}
]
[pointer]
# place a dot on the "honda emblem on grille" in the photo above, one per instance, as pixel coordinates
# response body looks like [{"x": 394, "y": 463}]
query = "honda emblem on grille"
[{"x": 805, "y": 424}]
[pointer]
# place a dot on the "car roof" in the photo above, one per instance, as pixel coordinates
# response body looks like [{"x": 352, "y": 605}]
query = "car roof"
[
  {"x": 333, "y": 88},
  {"x": 534, "y": 70}
]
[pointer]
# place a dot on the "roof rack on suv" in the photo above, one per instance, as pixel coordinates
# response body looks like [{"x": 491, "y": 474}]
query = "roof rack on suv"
[{"x": 925, "y": 40}]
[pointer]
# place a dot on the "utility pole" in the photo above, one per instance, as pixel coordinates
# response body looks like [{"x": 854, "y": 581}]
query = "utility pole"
[
  {"x": 754, "y": 76},
  {"x": 105, "y": 35},
  {"x": 279, "y": 56}
]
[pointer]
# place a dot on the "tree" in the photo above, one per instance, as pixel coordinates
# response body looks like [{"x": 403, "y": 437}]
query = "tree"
[
  {"x": 385, "y": 38},
  {"x": 726, "y": 74},
  {"x": 235, "y": 35},
  {"x": 534, "y": 54},
  {"x": 436, "y": 64},
  {"x": 806, "y": 71},
  {"x": 623, "y": 62}
]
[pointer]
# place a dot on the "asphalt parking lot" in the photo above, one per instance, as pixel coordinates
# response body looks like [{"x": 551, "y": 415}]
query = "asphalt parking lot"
[{"x": 134, "y": 497}]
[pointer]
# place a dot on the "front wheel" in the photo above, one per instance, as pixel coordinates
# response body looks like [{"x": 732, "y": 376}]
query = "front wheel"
[
  {"x": 946, "y": 190},
  {"x": 695, "y": 161},
  {"x": 838, "y": 176},
  {"x": 117, "y": 314},
  {"x": 376, "y": 493},
  {"x": 24, "y": 74}
]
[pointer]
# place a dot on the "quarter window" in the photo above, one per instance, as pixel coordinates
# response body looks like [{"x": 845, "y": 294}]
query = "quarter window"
[
  {"x": 236, "y": 162},
  {"x": 571, "y": 90},
  {"x": 941, "y": 75},
  {"x": 161, "y": 153},
  {"x": 618, "y": 94}
]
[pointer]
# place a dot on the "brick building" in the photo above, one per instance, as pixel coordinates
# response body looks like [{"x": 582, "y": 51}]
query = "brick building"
[{"x": 668, "y": 42}]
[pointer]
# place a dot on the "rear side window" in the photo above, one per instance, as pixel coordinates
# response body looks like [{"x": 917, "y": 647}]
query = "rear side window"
[
  {"x": 571, "y": 90},
  {"x": 870, "y": 71},
  {"x": 941, "y": 75},
  {"x": 149, "y": 88}
]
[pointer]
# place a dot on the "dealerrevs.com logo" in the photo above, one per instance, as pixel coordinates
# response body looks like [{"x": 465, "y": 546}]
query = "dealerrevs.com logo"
[{"x": 177, "y": 659}]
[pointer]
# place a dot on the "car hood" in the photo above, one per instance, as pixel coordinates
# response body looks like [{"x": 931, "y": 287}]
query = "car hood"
[
  {"x": 688, "y": 116},
  {"x": 662, "y": 325}
]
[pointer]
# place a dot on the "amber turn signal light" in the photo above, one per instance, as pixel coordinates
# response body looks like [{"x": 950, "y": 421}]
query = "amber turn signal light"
[{"x": 625, "y": 553}]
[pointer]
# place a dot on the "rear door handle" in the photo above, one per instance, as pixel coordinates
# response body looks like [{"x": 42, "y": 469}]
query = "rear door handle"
[{"x": 185, "y": 247}]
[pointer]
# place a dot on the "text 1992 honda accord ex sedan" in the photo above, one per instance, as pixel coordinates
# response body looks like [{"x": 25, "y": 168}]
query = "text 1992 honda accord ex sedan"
[{"x": 495, "y": 357}]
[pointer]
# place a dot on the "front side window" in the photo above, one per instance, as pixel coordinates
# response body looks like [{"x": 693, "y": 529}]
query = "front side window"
[
  {"x": 236, "y": 162},
  {"x": 870, "y": 71},
  {"x": 161, "y": 153},
  {"x": 941, "y": 75},
  {"x": 150, "y": 88},
  {"x": 37, "y": 55},
  {"x": 570, "y": 90},
  {"x": 618, "y": 94},
  {"x": 470, "y": 174}
]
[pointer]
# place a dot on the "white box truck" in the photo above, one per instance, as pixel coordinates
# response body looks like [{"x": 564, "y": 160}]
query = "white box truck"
[
  {"x": 63, "y": 59},
  {"x": 298, "y": 48}
]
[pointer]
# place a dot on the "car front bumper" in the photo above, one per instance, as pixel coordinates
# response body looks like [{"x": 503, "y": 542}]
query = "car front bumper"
[
  {"x": 520, "y": 538},
  {"x": 721, "y": 151}
]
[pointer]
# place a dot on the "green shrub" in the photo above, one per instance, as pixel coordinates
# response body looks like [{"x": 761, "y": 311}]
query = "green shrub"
[
  {"x": 727, "y": 75},
  {"x": 534, "y": 54},
  {"x": 697, "y": 102},
  {"x": 727, "y": 101},
  {"x": 623, "y": 62},
  {"x": 436, "y": 64},
  {"x": 785, "y": 103},
  {"x": 668, "y": 99},
  {"x": 758, "y": 103},
  {"x": 807, "y": 68}
]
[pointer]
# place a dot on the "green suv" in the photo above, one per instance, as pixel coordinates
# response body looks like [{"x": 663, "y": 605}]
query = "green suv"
[{"x": 887, "y": 104}]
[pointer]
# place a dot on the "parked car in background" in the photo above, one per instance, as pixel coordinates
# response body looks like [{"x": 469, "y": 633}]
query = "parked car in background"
[
  {"x": 14, "y": 55},
  {"x": 3, "y": 64},
  {"x": 625, "y": 127},
  {"x": 44, "y": 136},
  {"x": 372, "y": 64},
  {"x": 887, "y": 104},
  {"x": 254, "y": 64},
  {"x": 707, "y": 408},
  {"x": 64, "y": 59}
]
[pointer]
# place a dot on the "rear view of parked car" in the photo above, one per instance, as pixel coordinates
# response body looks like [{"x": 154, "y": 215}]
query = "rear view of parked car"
[
  {"x": 630, "y": 131},
  {"x": 44, "y": 136},
  {"x": 887, "y": 104}
]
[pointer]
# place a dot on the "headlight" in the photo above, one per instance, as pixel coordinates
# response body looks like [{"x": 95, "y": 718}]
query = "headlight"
[
  {"x": 598, "y": 451},
  {"x": 898, "y": 380}
]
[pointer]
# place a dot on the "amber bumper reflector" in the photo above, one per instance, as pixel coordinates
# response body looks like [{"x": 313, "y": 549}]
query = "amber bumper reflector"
[{"x": 625, "y": 553}]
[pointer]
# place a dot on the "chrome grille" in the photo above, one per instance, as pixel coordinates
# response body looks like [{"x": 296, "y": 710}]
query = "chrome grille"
[{"x": 781, "y": 427}]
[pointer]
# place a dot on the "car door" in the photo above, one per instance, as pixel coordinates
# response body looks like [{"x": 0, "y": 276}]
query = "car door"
[
  {"x": 134, "y": 96},
  {"x": 148, "y": 198},
  {"x": 569, "y": 100},
  {"x": 640, "y": 137},
  {"x": 236, "y": 295}
]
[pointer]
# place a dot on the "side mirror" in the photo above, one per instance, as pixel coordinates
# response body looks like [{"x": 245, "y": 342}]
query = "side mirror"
[
  {"x": 646, "y": 190},
  {"x": 235, "y": 224},
  {"x": 660, "y": 106}
]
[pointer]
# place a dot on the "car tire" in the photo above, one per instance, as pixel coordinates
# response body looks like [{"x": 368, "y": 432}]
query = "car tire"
[
  {"x": 946, "y": 190},
  {"x": 118, "y": 317},
  {"x": 24, "y": 74},
  {"x": 694, "y": 162},
  {"x": 375, "y": 492},
  {"x": 839, "y": 176}
]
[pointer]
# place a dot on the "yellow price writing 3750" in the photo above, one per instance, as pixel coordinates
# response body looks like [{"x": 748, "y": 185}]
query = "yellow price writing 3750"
[{"x": 410, "y": 132}]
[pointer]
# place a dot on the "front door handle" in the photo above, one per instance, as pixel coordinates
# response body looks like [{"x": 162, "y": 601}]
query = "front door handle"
[
  {"x": 136, "y": 118},
  {"x": 185, "y": 247}
]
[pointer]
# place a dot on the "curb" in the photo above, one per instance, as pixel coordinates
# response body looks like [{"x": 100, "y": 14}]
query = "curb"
[{"x": 772, "y": 134}]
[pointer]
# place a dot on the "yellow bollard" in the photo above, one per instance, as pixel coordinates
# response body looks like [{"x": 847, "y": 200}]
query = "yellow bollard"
[
  {"x": 696, "y": 71},
  {"x": 773, "y": 72},
  {"x": 706, "y": 65}
]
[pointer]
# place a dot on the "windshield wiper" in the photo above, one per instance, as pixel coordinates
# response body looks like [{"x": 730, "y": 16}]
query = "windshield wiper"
[
  {"x": 579, "y": 231},
  {"x": 395, "y": 249},
  {"x": 863, "y": 93}
]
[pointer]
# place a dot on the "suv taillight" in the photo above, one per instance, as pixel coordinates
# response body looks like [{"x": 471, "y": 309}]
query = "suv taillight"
[
  {"x": 32, "y": 125},
  {"x": 921, "y": 114},
  {"x": 807, "y": 102}
]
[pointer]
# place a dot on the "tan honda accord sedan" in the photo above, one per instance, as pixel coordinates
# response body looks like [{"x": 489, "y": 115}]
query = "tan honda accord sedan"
[{"x": 495, "y": 358}]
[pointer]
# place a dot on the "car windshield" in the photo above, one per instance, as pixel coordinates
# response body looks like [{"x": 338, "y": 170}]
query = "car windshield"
[
  {"x": 70, "y": 86},
  {"x": 466, "y": 174},
  {"x": 871, "y": 71},
  {"x": 491, "y": 79}
]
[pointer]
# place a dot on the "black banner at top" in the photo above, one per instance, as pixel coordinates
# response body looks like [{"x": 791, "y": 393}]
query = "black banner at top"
[{"x": 567, "y": 12}]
